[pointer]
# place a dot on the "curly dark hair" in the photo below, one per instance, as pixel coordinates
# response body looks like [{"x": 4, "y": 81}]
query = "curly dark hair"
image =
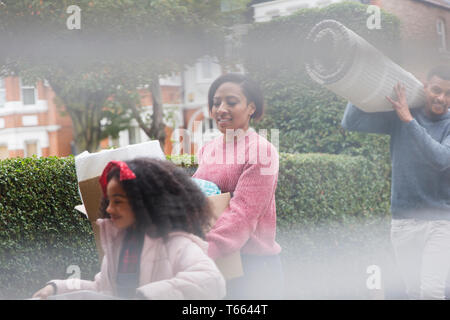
[{"x": 163, "y": 198}]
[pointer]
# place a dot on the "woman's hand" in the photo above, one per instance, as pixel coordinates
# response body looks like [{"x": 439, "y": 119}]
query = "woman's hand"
[{"x": 48, "y": 290}]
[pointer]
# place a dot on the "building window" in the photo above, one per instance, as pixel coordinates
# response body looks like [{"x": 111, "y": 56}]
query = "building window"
[
  {"x": 273, "y": 14},
  {"x": 28, "y": 94},
  {"x": 205, "y": 69},
  {"x": 134, "y": 135},
  {"x": 4, "y": 153},
  {"x": 440, "y": 30},
  {"x": 31, "y": 148},
  {"x": 30, "y": 120},
  {"x": 2, "y": 93}
]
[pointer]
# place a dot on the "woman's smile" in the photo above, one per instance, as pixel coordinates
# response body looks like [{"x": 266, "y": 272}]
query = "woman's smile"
[
  {"x": 114, "y": 217},
  {"x": 224, "y": 122},
  {"x": 230, "y": 108}
]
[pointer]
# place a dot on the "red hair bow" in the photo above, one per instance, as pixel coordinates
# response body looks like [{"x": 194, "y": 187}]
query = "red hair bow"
[{"x": 125, "y": 173}]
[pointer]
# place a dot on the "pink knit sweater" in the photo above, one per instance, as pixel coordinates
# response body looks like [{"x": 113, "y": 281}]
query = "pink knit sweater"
[{"x": 247, "y": 166}]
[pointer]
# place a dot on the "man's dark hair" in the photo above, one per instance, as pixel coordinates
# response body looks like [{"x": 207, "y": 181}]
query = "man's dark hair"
[
  {"x": 163, "y": 198},
  {"x": 250, "y": 89},
  {"x": 442, "y": 72}
]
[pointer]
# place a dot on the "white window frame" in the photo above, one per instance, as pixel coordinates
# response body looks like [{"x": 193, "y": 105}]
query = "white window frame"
[
  {"x": 442, "y": 34},
  {"x": 30, "y": 120},
  {"x": 137, "y": 134},
  {"x": 4, "y": 145},
  {"x": 38, "y": 148},
  {"x": 22, "y": 86},
  {"x": 200, "y": 69},
  {"x": 3, "y": 91}
]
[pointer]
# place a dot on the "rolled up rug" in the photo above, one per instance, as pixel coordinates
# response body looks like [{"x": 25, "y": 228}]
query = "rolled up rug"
[{"x": 348, "y": 65}]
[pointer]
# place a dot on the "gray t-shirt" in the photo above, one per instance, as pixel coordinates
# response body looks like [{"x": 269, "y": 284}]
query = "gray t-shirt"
[{"x": 420, "y": 155}]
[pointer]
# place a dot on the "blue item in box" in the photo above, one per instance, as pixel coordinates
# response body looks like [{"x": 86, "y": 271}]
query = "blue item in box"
[{"x": 209, "y": 188}]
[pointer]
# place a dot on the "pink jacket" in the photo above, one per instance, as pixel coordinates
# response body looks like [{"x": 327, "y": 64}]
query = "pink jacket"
[
  {"x": 248, "y": 167},
  {"x": 176, "y": 269}
]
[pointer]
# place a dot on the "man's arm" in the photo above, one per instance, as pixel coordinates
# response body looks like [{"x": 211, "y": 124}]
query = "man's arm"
[
  {"x": 377, "y": 122},
  {"x": 436, "y": 153}
]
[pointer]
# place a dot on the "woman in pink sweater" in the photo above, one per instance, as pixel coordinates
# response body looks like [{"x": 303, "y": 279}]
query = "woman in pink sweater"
[{"x": 245, "y": 164}]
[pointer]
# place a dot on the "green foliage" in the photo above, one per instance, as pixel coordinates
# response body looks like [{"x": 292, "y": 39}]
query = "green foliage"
[
  {"x": 40, "y": 232},
  {"x": 108, "y": 27},
  {"x": 186, "y": 161},
  {"x": 329, "y": 189},
  {"x": 120, "y": 44},
  {"x": 327, "y": 205}
]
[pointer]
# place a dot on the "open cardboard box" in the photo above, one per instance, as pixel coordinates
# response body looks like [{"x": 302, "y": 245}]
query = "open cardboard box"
[
  {"x": 91, "y": 195},
  {"x": 231, "y": 265}
]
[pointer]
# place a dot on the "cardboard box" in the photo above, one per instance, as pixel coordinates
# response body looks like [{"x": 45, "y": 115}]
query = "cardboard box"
[{"x": 231, "y": 265}]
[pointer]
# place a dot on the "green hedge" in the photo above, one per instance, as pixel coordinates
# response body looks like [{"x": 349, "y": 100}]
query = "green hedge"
[
  {"x": 41, "y": 235},
  {"x": 342, "y": 188},
  {"x": 319, "y": 180},
  {"x": 333, "y": 221},
  {"x": 322, "y": 201},
  {"x": 338, "y": 187}
]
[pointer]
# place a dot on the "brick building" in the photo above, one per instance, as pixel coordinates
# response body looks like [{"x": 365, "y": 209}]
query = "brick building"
[
  {"x": 30, "y": 123},
  {"x": 425, "y": 32}
]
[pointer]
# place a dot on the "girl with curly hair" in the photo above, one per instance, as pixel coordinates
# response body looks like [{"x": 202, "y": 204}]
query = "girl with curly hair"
[{"x": 152, "y": 231}]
